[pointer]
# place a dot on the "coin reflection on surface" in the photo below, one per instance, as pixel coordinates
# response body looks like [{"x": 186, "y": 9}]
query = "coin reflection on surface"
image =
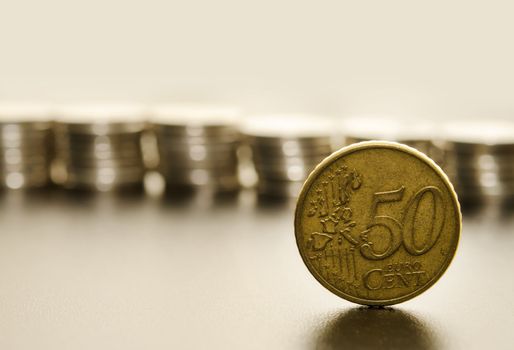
[{"x": 376, "y": 328}]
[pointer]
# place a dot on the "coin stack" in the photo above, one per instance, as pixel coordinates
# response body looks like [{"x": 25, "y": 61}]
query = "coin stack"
[
  {"x": 197, "y": 146},
  {"x": 285, "y": 149},
  {"x": 420, "y": 135},
  {"x": 99, "y": 147},
  {"x": 480, "y": 159},
  {"x": 25, "y": 146}
]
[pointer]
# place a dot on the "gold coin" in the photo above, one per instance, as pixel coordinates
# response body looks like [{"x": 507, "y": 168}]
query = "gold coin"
[{"x": 377, "y": 223}]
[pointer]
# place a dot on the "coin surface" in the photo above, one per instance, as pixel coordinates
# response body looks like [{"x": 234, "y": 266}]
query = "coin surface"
[{"x": 377, "y": 223}]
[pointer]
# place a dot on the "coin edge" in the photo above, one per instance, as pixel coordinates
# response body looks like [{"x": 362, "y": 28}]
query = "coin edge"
[{"x": 390, "y": 145}]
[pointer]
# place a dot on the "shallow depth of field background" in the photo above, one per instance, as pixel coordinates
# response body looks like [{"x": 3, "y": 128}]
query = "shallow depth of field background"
[{"x": 419, "y": 59}]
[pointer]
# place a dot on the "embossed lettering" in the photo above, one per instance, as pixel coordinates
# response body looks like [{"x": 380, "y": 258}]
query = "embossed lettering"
[
  {"x": 437, "y": 218},
  {"x": 404, "y": 232},
  {"x": 402, "y": 275},
  {"x": 368, "y": 279}
]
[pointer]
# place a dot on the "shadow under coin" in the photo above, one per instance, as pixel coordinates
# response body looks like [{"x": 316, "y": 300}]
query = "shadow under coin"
[
  {"x": 472, "y": 207},
  {"x": 507, "y": 208},
  {"x": 198, "y": 197},
  {"x": 266, "y": 202},
  {"x": 376, "y": 328}
]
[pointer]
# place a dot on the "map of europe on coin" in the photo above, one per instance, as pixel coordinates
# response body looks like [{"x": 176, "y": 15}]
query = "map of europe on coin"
[{"x": 377, "y": 223}]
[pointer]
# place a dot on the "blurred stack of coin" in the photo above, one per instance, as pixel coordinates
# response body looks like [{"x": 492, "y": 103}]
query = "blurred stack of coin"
[
  {"x": 197, "y": 146},
  {"x": 420, "y": 134},
  {"x": 480, "y": 158},
  {"x": 285, "y": 149},
  {"x": 25, "y": 146},
  {"x": 98, "y": 147}
]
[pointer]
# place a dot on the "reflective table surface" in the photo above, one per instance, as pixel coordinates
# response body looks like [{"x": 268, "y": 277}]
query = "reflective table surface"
[{"x": 81, "y": 271}]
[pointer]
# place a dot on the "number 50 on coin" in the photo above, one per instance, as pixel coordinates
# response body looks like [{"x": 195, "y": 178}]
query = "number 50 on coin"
[{"x": 377, "y": 223}]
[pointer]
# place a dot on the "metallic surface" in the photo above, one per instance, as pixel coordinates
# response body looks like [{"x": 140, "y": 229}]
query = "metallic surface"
[
  {"x": 99, "y": 156},
  {"x": 26, "y": 150},
  {"x": 197, "y": 155},
  {"x": 377, "y": 223},
  {"x": 282, "y": 163},
  {"x": 429, "y": 147},
  {"x": 480, "y": 170},
  {"x": 100, "y": 128}
]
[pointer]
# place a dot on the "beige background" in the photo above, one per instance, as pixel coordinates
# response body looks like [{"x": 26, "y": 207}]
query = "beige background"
[{"x": 420, "y": 58}]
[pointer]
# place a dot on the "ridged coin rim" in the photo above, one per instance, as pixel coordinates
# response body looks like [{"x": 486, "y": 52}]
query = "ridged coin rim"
[{"x": 348, "y": 150}]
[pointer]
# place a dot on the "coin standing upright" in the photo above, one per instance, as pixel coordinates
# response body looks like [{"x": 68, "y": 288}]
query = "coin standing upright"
[{"x": 377, "y": 223}]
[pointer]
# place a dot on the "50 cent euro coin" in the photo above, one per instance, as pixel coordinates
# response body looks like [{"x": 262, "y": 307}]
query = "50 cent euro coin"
[{"x": 377, "y": 223}]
